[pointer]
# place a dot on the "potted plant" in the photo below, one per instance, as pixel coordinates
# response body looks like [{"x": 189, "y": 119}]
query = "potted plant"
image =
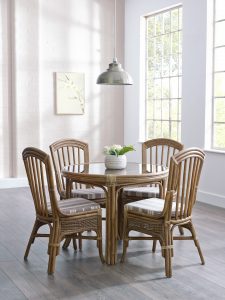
[{"x": 115, "y": 156}]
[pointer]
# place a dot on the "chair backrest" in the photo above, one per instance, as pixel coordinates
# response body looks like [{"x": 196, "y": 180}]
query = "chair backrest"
[
  {"x": 159, "y": 151},
  {"x": 39, "y": 173},
  {"x": 67, "y": 152},
  {"x": 184, "y": 175}
]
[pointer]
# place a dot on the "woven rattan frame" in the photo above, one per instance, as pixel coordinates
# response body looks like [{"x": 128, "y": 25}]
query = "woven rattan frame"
[
  {"x": 184, "y": 174},
  {"x": 156, "y": 152},
  {"x": 38, "y": 168}
]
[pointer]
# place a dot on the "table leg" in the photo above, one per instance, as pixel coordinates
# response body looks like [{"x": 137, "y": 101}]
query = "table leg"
[{"x": 111, "y": 226}]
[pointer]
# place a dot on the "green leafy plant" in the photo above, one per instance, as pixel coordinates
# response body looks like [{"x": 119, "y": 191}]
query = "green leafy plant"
[{"x": 118, "y": 149}]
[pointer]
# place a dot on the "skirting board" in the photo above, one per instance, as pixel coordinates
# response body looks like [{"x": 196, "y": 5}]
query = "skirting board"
[
  {"x": 205, "y": 197},
  {"x": 7, "y": 183},
  {"x": 210, "y": 198}
]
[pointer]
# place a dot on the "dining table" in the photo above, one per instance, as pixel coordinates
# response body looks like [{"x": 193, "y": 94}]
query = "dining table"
[{"x": 112, "y": 181}]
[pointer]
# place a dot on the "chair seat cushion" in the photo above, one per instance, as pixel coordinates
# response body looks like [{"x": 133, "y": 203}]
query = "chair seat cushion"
[
  {"x": 142, "y": 192},
  {"x": 90, "y": 194},
  {"x": 75, "y": 205},
  {"x": 152, "y": 207}
]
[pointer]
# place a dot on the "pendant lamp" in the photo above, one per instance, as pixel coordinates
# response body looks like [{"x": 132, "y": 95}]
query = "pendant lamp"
[{"x": 115, "y": 74}]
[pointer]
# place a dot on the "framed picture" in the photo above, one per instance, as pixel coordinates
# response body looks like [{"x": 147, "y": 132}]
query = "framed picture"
[{"x": 69, "y": 93}]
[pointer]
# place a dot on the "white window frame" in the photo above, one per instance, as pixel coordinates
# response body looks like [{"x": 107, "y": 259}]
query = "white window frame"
[
  {"x": 214, "y": 47},
  {"x": 179, "y": 76}
]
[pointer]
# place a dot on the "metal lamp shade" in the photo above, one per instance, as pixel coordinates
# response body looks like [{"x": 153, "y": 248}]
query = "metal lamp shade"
[{"x": 115, "y": 75}]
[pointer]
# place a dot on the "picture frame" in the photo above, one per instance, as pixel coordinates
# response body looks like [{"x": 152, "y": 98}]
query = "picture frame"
[{"x": 70, "y": 93}]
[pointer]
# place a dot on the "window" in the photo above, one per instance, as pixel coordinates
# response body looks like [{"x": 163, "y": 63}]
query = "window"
[
  {"x": 218, "y": 95},
  {"x": 164, "y": 74}
]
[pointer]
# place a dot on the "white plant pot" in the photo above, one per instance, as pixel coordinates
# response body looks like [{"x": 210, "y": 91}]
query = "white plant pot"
[{"x": 115, "y": 162}]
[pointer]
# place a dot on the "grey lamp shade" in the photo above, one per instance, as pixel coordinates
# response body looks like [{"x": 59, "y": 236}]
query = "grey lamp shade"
[{"x": 115, "y": 75}]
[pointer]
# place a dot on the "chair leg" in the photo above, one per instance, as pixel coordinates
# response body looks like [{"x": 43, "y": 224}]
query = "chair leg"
[
  {"x": 74, "y": 243},
  {"x": 80, "y": 241},
  {"x": 53, "y": 248},
  {"x": 99, "y": 245},
  {"x": 37, "y": 225},
  {"x": 167, "y": 252},
  {"x": 190, "y": 226},
  {"x": 125, "y": 238},
  {"x": 154, "y": 246},
  {"x": 120, "y": 217},
  {"x": 181, "y": 230},
  {"x": 66, "y": 243},
  {"x": 99, "y": 237}
]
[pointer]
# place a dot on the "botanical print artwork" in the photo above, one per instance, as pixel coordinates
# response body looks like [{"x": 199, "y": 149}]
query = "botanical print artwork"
[{"x": 70, "y": 93}]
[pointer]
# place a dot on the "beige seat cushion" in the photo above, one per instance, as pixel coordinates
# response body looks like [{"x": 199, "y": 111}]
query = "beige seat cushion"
[
  {"x": 75, "y": 205},
  {"x": 152, "y": 207},
  {"x": 142, "y": 192},
  {"x": 90, "y": 194}
]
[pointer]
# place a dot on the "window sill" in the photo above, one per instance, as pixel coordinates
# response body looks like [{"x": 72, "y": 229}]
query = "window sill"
[{"x": 214, "y": 151}]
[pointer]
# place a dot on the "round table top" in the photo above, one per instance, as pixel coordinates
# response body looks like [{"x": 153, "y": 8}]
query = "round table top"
[{"x": 99, "y": 169}]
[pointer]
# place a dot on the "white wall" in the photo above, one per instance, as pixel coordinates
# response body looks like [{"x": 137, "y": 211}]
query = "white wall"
[
  {"x": 194, "y": 103},
  {"x": 44, "y": 37}
]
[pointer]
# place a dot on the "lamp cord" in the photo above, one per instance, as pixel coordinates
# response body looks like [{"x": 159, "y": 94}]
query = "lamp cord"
[{"x": 115, "y": 58}]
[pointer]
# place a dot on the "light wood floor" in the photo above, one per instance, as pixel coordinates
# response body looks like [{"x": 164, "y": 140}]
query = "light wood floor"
[{"x": 80, "y": 275}]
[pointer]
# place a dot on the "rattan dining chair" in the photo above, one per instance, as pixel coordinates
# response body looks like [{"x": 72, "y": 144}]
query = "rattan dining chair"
[
  {"x": 66, "y": 152},
  {"x": 158, "y": 217},
  {"x": 66, "y": 218},
  {"x": 70, "y": 152},
  {"x": 157, "y": 152}
]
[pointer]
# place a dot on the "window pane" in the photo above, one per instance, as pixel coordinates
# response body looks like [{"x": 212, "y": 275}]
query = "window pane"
[
  {"x": 150, "y": 91},
  {"x": 219, "y": 135},
  {"x": 180, "y": 41},
  {"x": 219, "y": 84},
  {"x": 180, "y": 18},
  {"x": 158, "y": 24},
  {"x": 180, "y": 64},
  {"x": 165, "y": 88},
  {"x": 180, "y": 88},
  {"x": 166, "y": 45},
  {"x": 220, "y": 59},
  {"x": 165, "y": 129},
  {"x": 157, "y": 109},
  {"x": 220, "y": 11},
  {"x": 175, "y": 42},
  {"x": 150, "y": 129},
  {"x": 151, "y": 47},
  {"x": 158, "y": 129},
  {"x": 150, "y": 109},
  {"x": 157, "y": 94},
  {"x": 151, "y": 26},
  {"x": 174, "y": 87},
  {"x": 166, "y": 66},
  {"x": 179, "y": 114},
  {"x": 174, "y": 19},
  {"x": 165, "y": 110},
  {"x": 174, "y": 130},
  {"x": 219, "y": 110},
  {"x": 174, "y": 109},
  {"x": 219, "y": 34},
  {"x": 166, "y": 22},
  {"x": 174, "y": 65}
]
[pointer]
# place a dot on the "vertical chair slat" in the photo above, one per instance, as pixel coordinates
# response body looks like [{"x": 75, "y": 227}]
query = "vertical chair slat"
[
  {"x": 35, "y": 183},
  {"x": 58, "y": 167},
  {"x": 39, "y": 192},
  {"x": 178, "y": 198},
  {"x": 188, "y": 187},
  {"x": 68, "y": 155},
  {"x": 43, "y": 189},
  {"x": 168, "y": 156}
]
